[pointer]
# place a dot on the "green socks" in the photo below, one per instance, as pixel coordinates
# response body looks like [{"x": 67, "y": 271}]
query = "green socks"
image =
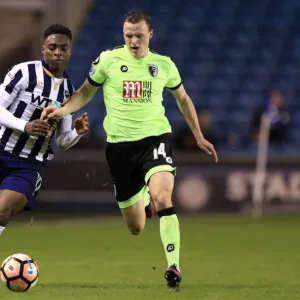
[{"x": 170, "y": 235}]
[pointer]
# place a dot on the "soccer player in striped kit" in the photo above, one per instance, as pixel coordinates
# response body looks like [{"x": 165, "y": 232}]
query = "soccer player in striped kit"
[{"x": 25, "y": 140}]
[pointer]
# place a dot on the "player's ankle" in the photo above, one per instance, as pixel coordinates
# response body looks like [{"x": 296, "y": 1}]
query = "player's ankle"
[
  {"x": 174, "y": 266},
  {"x": 1, "y": 229}
]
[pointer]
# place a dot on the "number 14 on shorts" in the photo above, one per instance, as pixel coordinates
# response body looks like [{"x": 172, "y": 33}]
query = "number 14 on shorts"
[{"x": 161, "y": 151}]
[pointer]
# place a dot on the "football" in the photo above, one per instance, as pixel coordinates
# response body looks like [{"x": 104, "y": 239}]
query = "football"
[{"x": 19, "y": 272}]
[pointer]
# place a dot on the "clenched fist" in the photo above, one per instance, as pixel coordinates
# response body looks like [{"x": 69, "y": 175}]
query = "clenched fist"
[{"x": 37, "y": 128}]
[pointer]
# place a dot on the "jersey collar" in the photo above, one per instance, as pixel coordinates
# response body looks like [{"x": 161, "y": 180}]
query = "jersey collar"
[
  {"x": 135, "y": 58},
  {"x": 46, "y": 66}
]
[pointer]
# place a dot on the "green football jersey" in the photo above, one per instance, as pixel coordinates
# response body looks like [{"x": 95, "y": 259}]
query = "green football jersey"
[{"x": 133, "y": 93}]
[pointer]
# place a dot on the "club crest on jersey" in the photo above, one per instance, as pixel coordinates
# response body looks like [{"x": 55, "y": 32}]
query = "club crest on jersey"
[{"x": 153, "y": 70}]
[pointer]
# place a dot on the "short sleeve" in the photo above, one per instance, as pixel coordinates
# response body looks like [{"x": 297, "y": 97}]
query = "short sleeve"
[
  {"x": 174, "y": 80},
  {"x": 12, "y": 84},
  {"x": 98, "y": 70}
]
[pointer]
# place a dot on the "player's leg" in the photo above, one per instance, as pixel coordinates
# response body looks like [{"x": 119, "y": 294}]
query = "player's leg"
[
  {"x": 149, "y": 206},
  {"x": 136, "y": 210},
  {"x": 129, "y": 186},
  {"x": 17, "y": 190},
  {"x": 161, "y": 187},
  {"x": 11, "y": 202},
  {"x": 134, "y": 216},
  {"x": 159, "y": 172},
  {"x": 133, "y": 209}
]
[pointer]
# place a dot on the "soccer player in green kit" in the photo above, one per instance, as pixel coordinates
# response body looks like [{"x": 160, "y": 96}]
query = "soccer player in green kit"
[{"x": 138, "y": 148}]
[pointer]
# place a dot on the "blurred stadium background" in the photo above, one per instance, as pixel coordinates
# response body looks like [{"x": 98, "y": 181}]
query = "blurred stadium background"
[{"x": 236, "y": 58}]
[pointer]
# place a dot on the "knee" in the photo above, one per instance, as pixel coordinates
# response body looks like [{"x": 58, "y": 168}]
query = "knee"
[
  {"x": 5, "y": 212},
  {"x": 162, "y": 198},
  {"x": 9, "y": 205},
  {"x": 5, "y": 205},
  {"x": 135, "y": 229}
]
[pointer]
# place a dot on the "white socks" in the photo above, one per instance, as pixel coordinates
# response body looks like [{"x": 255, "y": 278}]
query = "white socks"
[{"x": 1, "y": 229}]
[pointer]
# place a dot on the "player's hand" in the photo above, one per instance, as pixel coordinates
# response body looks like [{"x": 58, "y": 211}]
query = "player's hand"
[
  {"x": 209, "y": 148},
  {"x": 81, "y": 124},
  {"x": 37, "y": 128},
  {"x": 52, "y": 112}
]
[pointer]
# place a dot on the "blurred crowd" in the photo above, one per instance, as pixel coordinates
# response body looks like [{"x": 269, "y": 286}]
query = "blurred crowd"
[{"x": 183, "y": 138}]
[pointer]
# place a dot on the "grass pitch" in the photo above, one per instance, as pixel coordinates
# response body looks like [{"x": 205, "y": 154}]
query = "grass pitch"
[{"x": 234, "y": 258}]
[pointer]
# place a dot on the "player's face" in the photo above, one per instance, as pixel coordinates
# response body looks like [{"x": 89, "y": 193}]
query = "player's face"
[
  {"x": 137, "y": 38},
  {"x": 57, "y": 51}
]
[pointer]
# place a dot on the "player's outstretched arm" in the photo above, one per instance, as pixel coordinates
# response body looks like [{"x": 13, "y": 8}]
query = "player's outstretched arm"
[
  {"x": 188, "y": 110},
  {"x": 78, "y": 100}
]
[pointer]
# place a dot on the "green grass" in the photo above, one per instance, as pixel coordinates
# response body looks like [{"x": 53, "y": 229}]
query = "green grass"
[{"x": 234, "y": 258}]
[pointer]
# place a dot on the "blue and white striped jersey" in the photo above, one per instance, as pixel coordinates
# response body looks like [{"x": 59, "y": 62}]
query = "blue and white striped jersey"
[{"x": 27, "y": 89}]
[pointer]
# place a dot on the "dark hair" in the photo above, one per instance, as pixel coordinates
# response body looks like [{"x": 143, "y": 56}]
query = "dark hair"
[
  {"x": 58, "y": 29},
  {"x": 138, "y": 16}
]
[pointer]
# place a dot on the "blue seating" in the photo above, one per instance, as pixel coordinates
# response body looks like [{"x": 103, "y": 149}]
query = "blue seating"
[{"x": 230, "y": 54}]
